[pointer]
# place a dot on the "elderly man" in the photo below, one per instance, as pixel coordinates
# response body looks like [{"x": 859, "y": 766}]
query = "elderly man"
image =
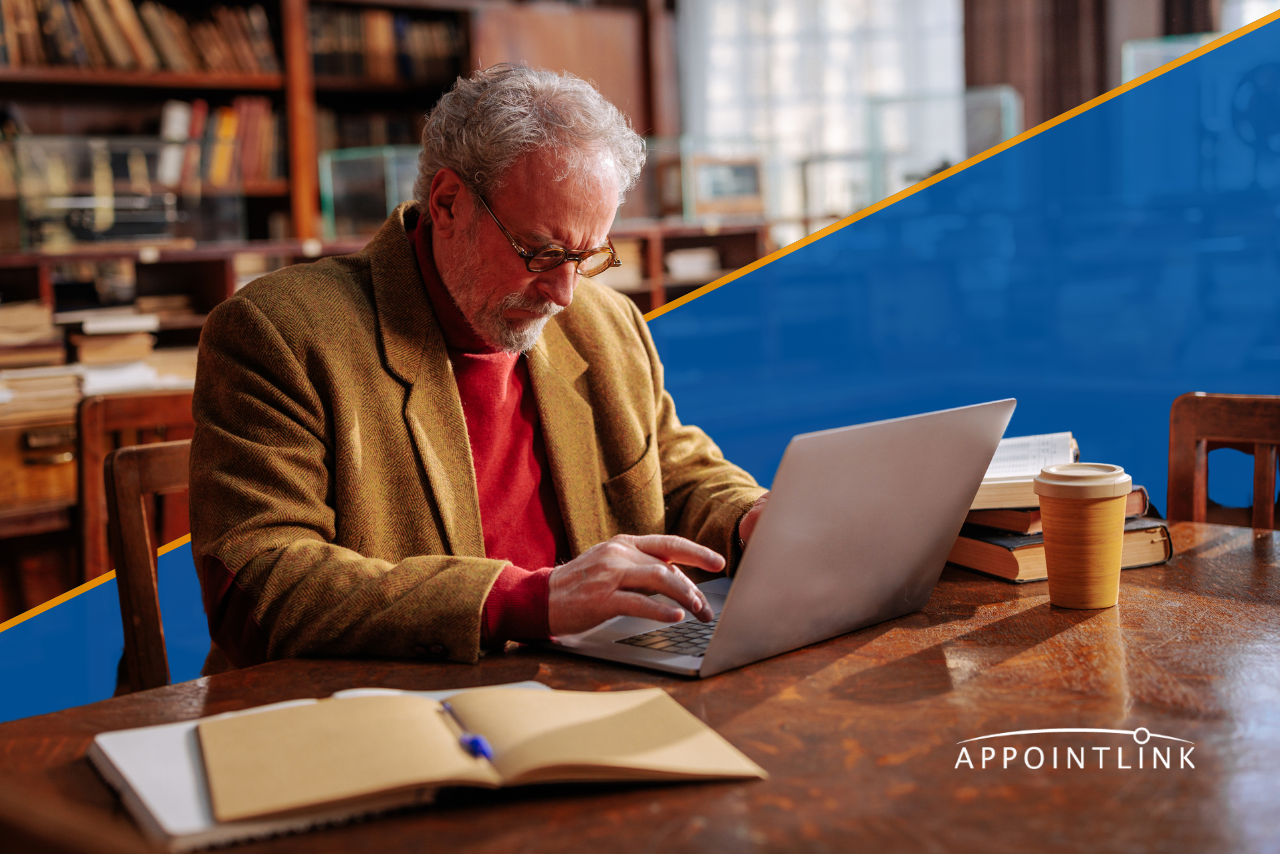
[{"x": 453, "y": 438}]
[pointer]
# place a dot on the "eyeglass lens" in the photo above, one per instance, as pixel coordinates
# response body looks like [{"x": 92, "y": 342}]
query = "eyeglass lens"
[{"x": 589, "y": 265}]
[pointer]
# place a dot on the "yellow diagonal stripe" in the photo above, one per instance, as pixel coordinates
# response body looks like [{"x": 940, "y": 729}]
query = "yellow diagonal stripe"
[{"x": 83, "y": 588}]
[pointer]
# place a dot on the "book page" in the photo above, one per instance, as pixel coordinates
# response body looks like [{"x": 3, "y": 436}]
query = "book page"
[
  {"x": 1025, "y": 456},
  {"x": 547, "y": 736},
  {"x": 332, "y": 751}
]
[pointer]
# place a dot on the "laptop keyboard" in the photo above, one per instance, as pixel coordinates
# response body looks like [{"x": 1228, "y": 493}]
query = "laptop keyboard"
[{"x": 688, "y": 638}]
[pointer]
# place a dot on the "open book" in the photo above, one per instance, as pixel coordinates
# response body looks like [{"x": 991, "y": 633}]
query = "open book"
[
  {"x": 1017, "y": 461},
  {"x": 343, "y": 752}
]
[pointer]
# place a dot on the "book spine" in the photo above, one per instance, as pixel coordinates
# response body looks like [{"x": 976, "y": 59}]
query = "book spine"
[
  {"x": 4, "y": 36},
  {"x": 127, "y": 19},
  {"x": 165, "y": 41},
  {"x": 63, "y": 34},
  {"x": 114, "y": 44},
  {"x": 222, "y": 157},
  {"x": 181, "y": 31},
  {"x": 92, "y": 45},
  {"x": 262, "y": 39},
  {"x": 404, "y": 58},
  {"x": 240, "y": 48},
  {"x": 27, "y": 31}
]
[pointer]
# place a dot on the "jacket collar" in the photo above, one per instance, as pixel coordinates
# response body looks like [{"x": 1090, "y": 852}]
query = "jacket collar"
[{"x": 415, "y": 351}]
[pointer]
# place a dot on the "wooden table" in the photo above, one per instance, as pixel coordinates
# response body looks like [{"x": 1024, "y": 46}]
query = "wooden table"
[{"x": 861, "y": 733}]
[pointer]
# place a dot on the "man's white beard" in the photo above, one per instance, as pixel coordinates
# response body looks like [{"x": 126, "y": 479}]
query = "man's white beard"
[
  {"x": 500, "y": 332},
  {"x": 497, "y": 330}
]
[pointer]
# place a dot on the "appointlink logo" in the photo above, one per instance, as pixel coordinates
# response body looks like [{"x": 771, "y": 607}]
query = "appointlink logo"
[{"x": 1075, "y": 757}]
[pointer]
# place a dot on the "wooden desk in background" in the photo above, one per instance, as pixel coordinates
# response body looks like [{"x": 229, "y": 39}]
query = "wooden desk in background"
[{"x": 859, "y": 733}]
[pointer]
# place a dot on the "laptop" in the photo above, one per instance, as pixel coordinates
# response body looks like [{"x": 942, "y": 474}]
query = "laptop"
[{"x": 857, "y": 529}]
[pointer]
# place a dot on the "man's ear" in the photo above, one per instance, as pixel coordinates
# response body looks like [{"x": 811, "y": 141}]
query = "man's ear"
[{"x": 442, "y": 201}]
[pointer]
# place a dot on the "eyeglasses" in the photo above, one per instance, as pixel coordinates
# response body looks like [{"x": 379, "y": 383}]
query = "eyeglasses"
[{"x": 593, "y": 262}]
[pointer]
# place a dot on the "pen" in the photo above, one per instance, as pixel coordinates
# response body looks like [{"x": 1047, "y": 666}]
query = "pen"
[{"x": 474, "y": 743}]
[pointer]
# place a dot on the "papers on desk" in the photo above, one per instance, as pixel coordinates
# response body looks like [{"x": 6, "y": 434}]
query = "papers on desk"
[
  {"x": 164, "y": 369},
  {"x": 160, "y": 775}
]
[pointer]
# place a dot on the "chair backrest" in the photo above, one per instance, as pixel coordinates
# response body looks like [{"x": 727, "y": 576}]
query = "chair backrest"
[
  {"x": 107, "y": 422},
  {"x": 132, "y": 475},
  {"x": 1200, "y": 423}
]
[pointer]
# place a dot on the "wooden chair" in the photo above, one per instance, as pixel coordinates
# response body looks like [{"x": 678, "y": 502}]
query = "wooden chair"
[
  {"x": 1200, "y": 423},
  {"x": 133, "y": 474},
  {"x": 107, "y": 422}
]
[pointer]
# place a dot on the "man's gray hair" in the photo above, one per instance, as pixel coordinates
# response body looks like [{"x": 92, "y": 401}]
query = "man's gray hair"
[{"x": 488, "y": 120}]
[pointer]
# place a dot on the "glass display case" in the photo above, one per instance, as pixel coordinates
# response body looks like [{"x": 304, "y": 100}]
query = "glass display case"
[
  {"x": 360, "y": 187},
  {"x": 77, "y": 191}
]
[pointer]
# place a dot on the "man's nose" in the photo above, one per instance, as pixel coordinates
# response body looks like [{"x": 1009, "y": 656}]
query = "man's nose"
[{"x": 557, "y": 285}]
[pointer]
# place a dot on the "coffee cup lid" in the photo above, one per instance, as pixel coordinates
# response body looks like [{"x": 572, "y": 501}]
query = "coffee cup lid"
[{"x": 1083, "y": 480}]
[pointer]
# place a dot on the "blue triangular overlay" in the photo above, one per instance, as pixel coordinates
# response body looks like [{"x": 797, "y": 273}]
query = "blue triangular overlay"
[
  {"x": 1094, "y": 271},
  {"x": 68, "y": 655}
]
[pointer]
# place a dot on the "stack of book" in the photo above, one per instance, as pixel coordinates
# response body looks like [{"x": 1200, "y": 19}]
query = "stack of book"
[
  {"x": 381, "y": 46},
  {"x": 1003, "y": 535},
  {"x": 116, "y": 34},
  {"x": 28, "y": 337},
  {"x": 39, "y": 392},
  {"x": 111, "y": 336}
]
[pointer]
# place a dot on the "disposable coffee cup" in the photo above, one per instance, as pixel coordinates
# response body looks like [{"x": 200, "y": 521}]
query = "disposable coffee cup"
[{"x": 1082, "y": 512}]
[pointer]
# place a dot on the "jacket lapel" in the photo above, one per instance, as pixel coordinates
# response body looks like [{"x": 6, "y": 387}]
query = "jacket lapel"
[
  {"x": 415, "y": 352},
  {"x": 568, "y": 429}
]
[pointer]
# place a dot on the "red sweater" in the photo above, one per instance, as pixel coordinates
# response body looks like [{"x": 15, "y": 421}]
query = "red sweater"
[{"x": 519, "y": 512}]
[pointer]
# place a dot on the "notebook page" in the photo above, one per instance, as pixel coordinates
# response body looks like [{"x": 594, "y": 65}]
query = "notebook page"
[
  {"x": 1025, "y": 456},
  {"x": 616, "y": 735},
  {"x": 332, "y": 751}
]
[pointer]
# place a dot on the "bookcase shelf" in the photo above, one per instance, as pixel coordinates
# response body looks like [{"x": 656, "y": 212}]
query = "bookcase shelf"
[
  {"x": 267, "y": 188},
  {"x": 336, "y": 83},
  {"x": 53, "y": 75}
]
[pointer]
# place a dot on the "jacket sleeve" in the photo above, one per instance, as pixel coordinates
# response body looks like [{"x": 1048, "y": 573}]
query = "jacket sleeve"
[
  {"x": 705, "y": 494},
  {"x": 263, "y": 524}
]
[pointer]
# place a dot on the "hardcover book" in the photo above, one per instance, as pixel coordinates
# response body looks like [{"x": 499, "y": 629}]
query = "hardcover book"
[
  {"x": 1026, "y": 520},
  {"x": 1020, "y": 557}
]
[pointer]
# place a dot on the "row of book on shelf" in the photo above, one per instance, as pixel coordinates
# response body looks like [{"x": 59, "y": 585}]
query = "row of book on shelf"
[
  {"x": 382, "y": 46},
  {"x": 360, "y": 130},
  {"x": 243, "y": 141},
  {"x": 1002, "y": 535},
  {"x": 116, "y": 34}
]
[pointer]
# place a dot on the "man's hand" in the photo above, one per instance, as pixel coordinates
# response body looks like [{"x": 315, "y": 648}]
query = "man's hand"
[
  {"x": 617, "y": 577},
  {"x": 748, "y": 523}
]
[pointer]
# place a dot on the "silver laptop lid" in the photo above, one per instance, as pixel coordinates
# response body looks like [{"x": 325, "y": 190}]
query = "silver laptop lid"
[{"x": 858, "y": 527}]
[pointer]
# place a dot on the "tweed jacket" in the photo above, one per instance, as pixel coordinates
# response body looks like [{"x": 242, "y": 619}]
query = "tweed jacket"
[{"x": 334, "y": 508}]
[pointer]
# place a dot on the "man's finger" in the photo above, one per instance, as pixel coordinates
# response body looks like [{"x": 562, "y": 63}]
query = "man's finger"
[
  {"x": 670, "y": 582},
  {"x": 672, "y": 549},
  {"x": 627, "y": 604}
]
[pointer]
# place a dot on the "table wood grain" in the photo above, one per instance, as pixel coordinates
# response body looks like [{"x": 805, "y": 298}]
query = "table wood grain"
[{"x": 861, "y": 734}]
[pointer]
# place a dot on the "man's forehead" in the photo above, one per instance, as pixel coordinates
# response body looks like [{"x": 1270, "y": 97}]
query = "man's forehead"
[{"x": 546, "y": 193}]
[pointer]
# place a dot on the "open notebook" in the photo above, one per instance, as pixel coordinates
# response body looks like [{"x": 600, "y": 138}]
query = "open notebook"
[
  {"x": 159, "y": 774},
  {"x": 294, "y": 766}
]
